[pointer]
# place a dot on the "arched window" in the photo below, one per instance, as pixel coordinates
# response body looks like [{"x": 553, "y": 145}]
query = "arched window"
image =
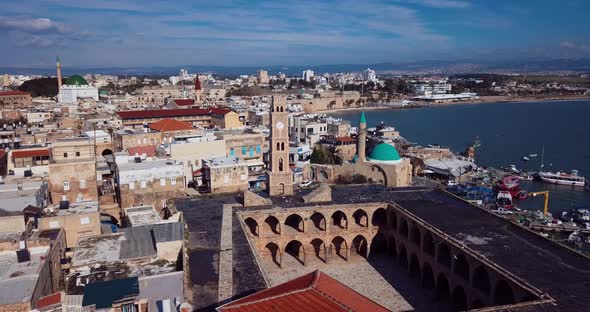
[
  {"x": 278, "y": 146},
  {"x": 280, "y": 164},
  {"x": 282, "y": 146}
]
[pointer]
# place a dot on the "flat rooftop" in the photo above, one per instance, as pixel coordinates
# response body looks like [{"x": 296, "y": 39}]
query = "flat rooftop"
[
  {"x": 552, "y": 268},
  {"x": 75, "y": 208},
  {"x": 142, "y": 215},
  {"x": 18, "y": 280}
]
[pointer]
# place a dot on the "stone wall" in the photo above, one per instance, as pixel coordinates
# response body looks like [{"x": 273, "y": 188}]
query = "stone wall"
[
  {"x": 152, "y": 194},
  {"x": 73, "y": 173}
]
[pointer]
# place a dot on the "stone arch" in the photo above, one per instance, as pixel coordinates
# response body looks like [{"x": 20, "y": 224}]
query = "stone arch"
[
  {"x": 318, "y": 220},
  {"x": 272, "y": 224},
  {"x": 378, "y": 245},
  {"x": 323, "y": 176},
  {"x": 442, "y": 288},
  {"x": 481, "y": 280},
  {"x": 427, "y": 276},
  {"x": 403, "y": 256},
  {"x": 379, "y": 217},
  {"x": 359, "y": 246},
  {"x": 428, "y": 244},
  {"x": 393, "y": 219},
  {"x": 443, "y": 256},
  {"x": 503, "y": 293},
  {"x": 392, "y": 246},
  {"x": 106, "y": 152},
  {"x": 296, "y": 250},
  {"x": 383, "y": 178},
  {"x": 361, "y": 218},
  {"x": 339, "y": 219},
  {"x": 461, "y": 266},
  {"x": 278, "y": 146},
  {"x": 295, "y": 221},
  {"x": 319, "y": 249},
  {"x": 459, "y": 301},
  {"x": 415, "y": 235},
  {"x": 252, "y": 225},
  {"x": 274, "y": 252},
  {"x": 281, "y": 188},
  {"x": 281, "y": 167},
  {"x": 415, "y": 267},
  {"x": 403, "y": 228},
  {"x": 340, "y": 247},
  {"x": 282, "y": 146}
]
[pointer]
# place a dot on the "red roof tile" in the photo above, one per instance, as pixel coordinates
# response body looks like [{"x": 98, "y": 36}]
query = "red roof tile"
[
  {"x": 28, "y": 153},
  {"x": 345, "y": 139},
  {"x": 219, "y": 111},
  {"x": 315, "y": 291},
  {"x": 149, "y": 151},
  {"x": 167, "y": 125},
  {"x": 162, "y": 113},
  {"x": 184, "y": 102},
  {"x": 49, "y": 300},
  {"x": 8, "y": 93}
]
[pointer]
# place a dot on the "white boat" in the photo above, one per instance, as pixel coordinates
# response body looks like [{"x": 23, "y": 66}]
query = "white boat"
[
  {"x": 533, "y": 155},
  {"x": 563, "y": 178},
  {"x": 525, "y": 158}
]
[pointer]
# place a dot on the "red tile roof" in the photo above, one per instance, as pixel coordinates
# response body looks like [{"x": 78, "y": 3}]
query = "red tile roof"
[
  {"x": 184, "y": 102},
  {"x": 315, "y": 291},
  {"x": 345, "y": 139},
  {"x": 49, "y": 300},
  {"x": 167, "y": 125},
  {"x": 149, "y": 151},
  {"x": 28, "y": 153},
  {"x": 162, "y": 113},
  {"x": 8, "y": 93},
  {"x": 219, "y": 111}
]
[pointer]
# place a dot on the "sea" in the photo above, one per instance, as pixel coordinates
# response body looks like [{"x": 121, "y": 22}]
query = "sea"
[{"x": 507, "y": 132}]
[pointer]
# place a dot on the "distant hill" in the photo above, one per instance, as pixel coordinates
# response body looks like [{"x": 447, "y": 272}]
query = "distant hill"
[{"x": 429, "y": 66}]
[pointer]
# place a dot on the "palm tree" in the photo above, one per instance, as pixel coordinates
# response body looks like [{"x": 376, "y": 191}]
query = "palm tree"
[{"x": 332, "y": 156}]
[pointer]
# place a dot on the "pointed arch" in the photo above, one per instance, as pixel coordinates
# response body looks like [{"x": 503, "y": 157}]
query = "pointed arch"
[
  {"x": 428, "y": 244},
  {"x": 339, "y": 219},
  {"x": 461, "y": 266},
  {"x": 273, "y": 250},
  {"x": 272, "y": 225},
  {"x": 361, "y": 218},
  {"x": 459, "y": 299},
  {"x": 319, "y": 221},
  {"x": 379, "y": 217},
  {"x": 378, "y": 245},
  {"x": 503, "y": 293},
  {"x": 427, "y": 276},
  {"x": 296, "y": 250},
  {"x": 481, "y": 280},
  {"x": 340, "y": 247},
  {"x": 442, "y": 288},
  {"x": 252, "y": 226},
  {"x": 281, "y": 166},
  {"x": 359, "y": 246},
  {"x": 295, "y": 222},
  {"x": 443, "y": 256},
  {"x": 320, "y": 250}
]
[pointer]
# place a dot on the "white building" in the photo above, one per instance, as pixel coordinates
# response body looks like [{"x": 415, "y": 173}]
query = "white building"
[
  {"x": 431, "y": 89},
  {"x": 369, "y": 75},
  {"x": 76, "y": 88},
  {"x": 308, "y": 75}
]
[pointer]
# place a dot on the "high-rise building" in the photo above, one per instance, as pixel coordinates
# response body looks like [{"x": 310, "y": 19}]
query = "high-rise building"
[
  {"x": 58, "y": 65},
  {"x": 369, "y": 75},
  {"x": 308, "y": 75},
  {"x": 183, "y": 74},
  {"x": 279, "y": 177},
  {"x": 263, "y": 77}
]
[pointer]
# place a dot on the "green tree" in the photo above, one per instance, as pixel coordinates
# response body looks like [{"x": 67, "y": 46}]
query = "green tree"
[
  {"x": 318, "y": 156},
  {"x": 332, "y": 156}
]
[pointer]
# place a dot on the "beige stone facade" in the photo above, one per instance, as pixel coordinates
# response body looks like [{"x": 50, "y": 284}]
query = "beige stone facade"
[
  {"x": 280, "y": 176},
  {"x": 15, "y": 99},
  {"x": 248, "y": 146},
  {"x": 225, "y": 175},
  {"x": 231, "y": 120},
  {"x": 124, "y": 139},
  {"x": 76, "y": 223},
  {"x": 332, "y": 100}
]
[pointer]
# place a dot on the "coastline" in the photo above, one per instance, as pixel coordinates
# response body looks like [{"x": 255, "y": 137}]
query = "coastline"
[{"x": 482, "y": 100}]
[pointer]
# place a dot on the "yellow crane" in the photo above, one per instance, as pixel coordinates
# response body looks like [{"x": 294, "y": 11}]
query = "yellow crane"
[{"x": 546, "y": 205}]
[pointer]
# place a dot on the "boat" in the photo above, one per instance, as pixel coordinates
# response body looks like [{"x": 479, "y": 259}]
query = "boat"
[
  {"x": 476, "y": 142},
  {"x": 504, "y": 200},
  {"x": 513, "y": 169},
  {"x": 524, "y": 158},
  {"x": 533, "y": 155},
  {"x": 562, "y": 178},
  {"x": 510, "y": 184}
]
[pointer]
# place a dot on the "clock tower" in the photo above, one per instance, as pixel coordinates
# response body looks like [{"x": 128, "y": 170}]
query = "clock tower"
[{"x": 279, "y": 176}]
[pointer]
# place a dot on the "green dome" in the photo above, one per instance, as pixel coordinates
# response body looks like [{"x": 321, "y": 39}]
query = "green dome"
[
  {"x": 76, "y": 81},
  {"x": 384, "y": 152}
]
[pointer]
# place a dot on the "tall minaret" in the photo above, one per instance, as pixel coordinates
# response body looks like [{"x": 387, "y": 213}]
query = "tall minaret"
[
  {"x": 279, "y": 177},
  {"x": 58, "y": 74},
  {"x": 198, "y": 90},
  {"x": 362, "y": 138}
]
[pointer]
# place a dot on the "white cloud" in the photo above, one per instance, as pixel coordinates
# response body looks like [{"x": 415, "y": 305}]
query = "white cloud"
[
  {"x": 442, "y": 4},
  {"x": 31, "y": 25}
]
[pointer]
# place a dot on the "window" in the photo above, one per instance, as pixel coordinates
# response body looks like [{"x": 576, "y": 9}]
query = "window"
[
  {"x": 85, "y": 220},
  {"x": 162, "y": 182},
  {"x": 258, "y": 149},
  {"x": 173, "y": 181},
  {"x": 77, "y": 154},
  {"x": 131, "y": 185},
  {"x": 251, "y": 151},
  {"x": 143, "y": 184},
  {"x": 231, "y": 152},
  {"x": 65, "y": 155},
  {"x": 53, "y": 224},
  {"x": 244, "y": 150},
  {"x": 66, "y": 186},
  {"x": 82, "y": 183}
]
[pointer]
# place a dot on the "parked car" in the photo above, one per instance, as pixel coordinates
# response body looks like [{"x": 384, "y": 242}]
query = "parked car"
[
  {"x": 305, "y": 184},
  {"x": 502, "y": 211}
]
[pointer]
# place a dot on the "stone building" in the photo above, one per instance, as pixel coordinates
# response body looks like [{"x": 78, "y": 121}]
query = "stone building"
[
  {"x": 168, "y": 128},
  {"x": 76, "y": 88},
  {"x": 332, "y": 100},
  {"x": 225, "y": 174},
  {"x": 72, "y": 172},
  {"x": 158, "y": 95},
  {"x": 198, "y": 117},
  {"x": 15, "y": 99},
  {"x": 192, "y": 151},
  {"x": 125, "y": 139},
  {"x": 225, "y": 119},
  {"x": 344, "y": 146},
  {"x": 78, "y": 220},
  {"x": 29, "y": 161},
  {"x": 279, "y": 179},
  {"x": 148, "y": 181}
]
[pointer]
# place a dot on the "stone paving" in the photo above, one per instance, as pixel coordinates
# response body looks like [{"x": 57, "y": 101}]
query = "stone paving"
[
  {"x": 380, "y": 280},
  {"x": 225, "y": 256}
]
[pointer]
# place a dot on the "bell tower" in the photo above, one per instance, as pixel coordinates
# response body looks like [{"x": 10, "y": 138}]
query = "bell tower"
[{"x": 279, "y": 176}]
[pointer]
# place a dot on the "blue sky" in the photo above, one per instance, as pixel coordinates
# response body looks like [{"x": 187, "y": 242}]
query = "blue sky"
[{"x": 259, "y": 32}]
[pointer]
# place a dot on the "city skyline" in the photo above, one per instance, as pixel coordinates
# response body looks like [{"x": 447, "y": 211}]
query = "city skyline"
[{"x": 262, "y": 33}]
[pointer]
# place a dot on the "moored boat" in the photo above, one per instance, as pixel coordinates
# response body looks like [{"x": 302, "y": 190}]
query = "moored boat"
[
  {"x": 563, "y": 178},
  {"x": 504, "y": 200}
]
